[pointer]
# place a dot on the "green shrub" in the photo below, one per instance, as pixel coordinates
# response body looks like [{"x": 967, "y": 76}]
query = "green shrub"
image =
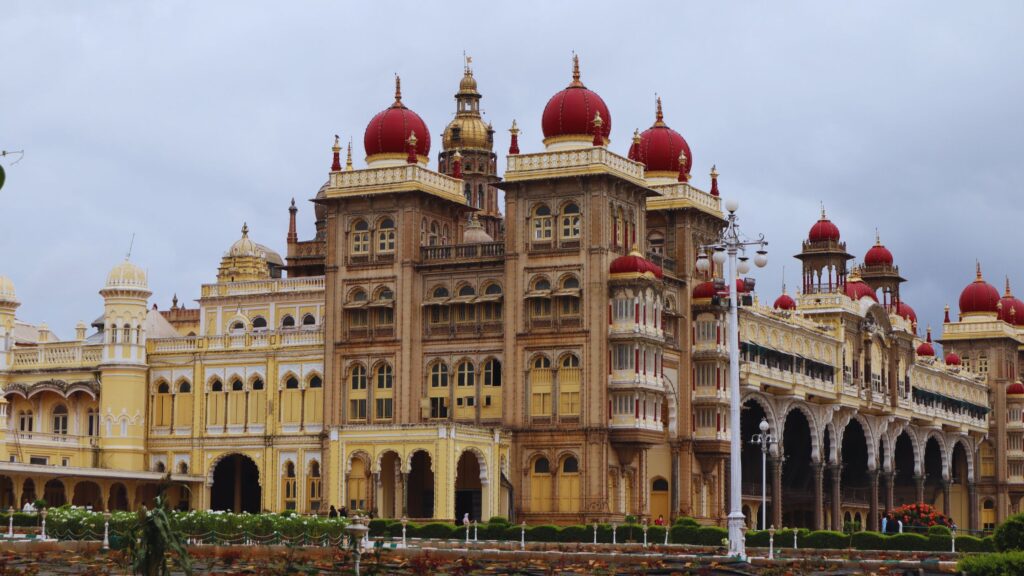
[
  {"x": 498, "y": 520},
  {"x": 378, "y": 526},
  {"x": 512, "y": 533},
  {"x": 968, "y": 543},
  {"x": 757, "y": 538},
  {"x": 685, "y": 521},
  {"x": 631, "y": 533},
  {"x": 437, "y": 530},
  {"x": 492, "y": 531},
  {"x": 576, "y": 534},
  {"x": 869, "y": 541},
  {"x": 826, "y": 539},
  {"x": 656, "y": 534},
  {"x": 1010, "y": 534},
  {"x": 395, "y": 530},
  {"x": 908, "y": 541},
  {"x": 939, "y": 530},
  {"x": 683, "y": 534},
  {"x": 711, "y": 535},
  {"x": 604, "y": 533},
  {"x": 939, "y": 543},
  {"x": 543, "y": 533},
  {"x": 992, "y": 564}
]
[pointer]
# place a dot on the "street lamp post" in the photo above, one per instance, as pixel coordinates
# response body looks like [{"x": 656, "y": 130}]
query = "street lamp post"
[
  {"x": 765, "y": 440},
  {"x": 730, "y": 244}
]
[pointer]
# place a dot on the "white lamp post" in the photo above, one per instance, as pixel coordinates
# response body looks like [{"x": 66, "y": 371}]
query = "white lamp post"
[
  {"x": 771, "y": 542},
  {"x": 728, "y": 247},
  {"x": 405, "y": 522},
  {"x": 765, "y": 440},
  {"x": 10, "y": 522},
  {"x": 43, "y": 514},
  {"x": 106, "y": 530},
  {"x": 357, "y": 530}
]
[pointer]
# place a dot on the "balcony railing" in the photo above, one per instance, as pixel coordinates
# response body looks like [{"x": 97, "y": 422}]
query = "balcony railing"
[
  {"x": 252, "y": 340},
  {"x": 273, "y": 286},
  {"x": 57, "y": 355},
  {"x": 460, "y": 252}
]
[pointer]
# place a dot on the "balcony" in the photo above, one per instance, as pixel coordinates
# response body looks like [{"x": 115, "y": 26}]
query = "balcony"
[
  {"x": 248, "y": 341},
  {"x": 575, "y": 162},
  {"x": 682, "y": 195},
  {"x": 56, "y": 355},
  {"x": 274, "y": 286},
  {"x": 462, "y": 252},
  {"x": 50, "y": 439},
  {"x": 666, "y": 263}
]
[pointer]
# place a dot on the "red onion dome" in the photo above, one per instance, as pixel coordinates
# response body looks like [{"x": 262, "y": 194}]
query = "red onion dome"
[
  {"x": 979, "y": 297},
  {"x": 952, "y": 359},
  {"x": 903, "y": 310},
  {"x": 704, "y": 290},
  {"x": 387, "y": 134},
  {"x": 569, "y": 115},
  {"x": 878, "y": 255},
  {"x": 823, "y": 230},
  {"x": 785, "y": 302},
  {"x": 857, "y": 288},
  {"x": 926, "y": 348},
  {"x": 1010, "y": 308},
  {"x": 660, "y": 148},
  {"x": 634, "y": 263},
  {"x": 1015, "y": 389}
]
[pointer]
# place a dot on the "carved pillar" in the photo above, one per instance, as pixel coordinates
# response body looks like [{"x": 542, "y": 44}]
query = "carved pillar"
[
  {"x": 919, "y": 484},
  {"x": 776, "y": 479},
  {"x": 375, "y": 493},
  {"x": 405, "y": 494},
  {"x": 819, "y": 496},
  {"x": 972, "y": 506},
  {"x": 676, "y": 485},
  {"x": 837, "y": 511},
  {"x": 890, "y": 485},
  {"x": 945, "y": 498},
  {"x": 873, "y": 504}
]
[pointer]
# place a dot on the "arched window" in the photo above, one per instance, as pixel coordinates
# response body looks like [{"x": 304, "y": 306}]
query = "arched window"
[
  {"x": 445, "y": 234},
  {"x": 385, "y": 305},
  {"x": 237, "y": 327},
  {"x": 659, "y": 485},
  {"x": 540, "y": 387},
  {"x": 541, "y": 466},
  {"x": 386, "y": 236},
  {"x": 60, "y": 419},
  {"x": 435, "y": 234},
  {"x": 570, "y": 229},
  {"x": 216, "y": 386},
  {"x": 288, "y": 321},
  {"x": 540, "y": 300},
  {"x": 570, "y": 297},
  {"x": 570, "y": 465},
  {"x": 439, "y": 375},
  {"x": 163, "y": 388},
  {"x": 465, "y": 310},
  {"x": 360, "y": 238},
  {"x": 656, "y": 243},
  {"x": 314, "y": 492},
  {"x": 465, "y": 374},
  {"x": 439, "y": 311},
  {"x": 257, "y": 384},
  {"x": 316, "y": 382},
  {"x": 289, "y": 486},
  {"x": 236, "y": 385},
  {"x": 259, "y": 322},
  {"x": 492, "y": 372},
  {"x": 292, "y": 383},
  {"x": 542, "y": 223},
  {"x": 569, "y": 379},
  {"x": 358, "y": 315},
  {"x": 309, "y": 320},
  {"x": 570, "y": 361},
  {"x": 357, "y": 377},
  {"x": 385, "y": 376}
]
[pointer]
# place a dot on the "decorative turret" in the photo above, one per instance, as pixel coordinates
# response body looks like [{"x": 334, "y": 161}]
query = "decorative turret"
[
  {"x": 336, "y": 150},
  {"x": 125, "y": 307},
  {"x": 824, "y": 258},
  {"x": 880, "y": 273},
  {"x": 513, "y": 147},
  {"x": 568, "y": 119},
  {"x": 244, "y": 261}
]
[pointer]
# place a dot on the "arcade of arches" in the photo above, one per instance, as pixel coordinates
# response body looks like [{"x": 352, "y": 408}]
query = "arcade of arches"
[{"x": 831, "y": 467}]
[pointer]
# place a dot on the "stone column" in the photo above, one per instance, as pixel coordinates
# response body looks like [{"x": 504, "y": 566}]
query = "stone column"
[
  {"x": 890, "y": 485},
  {"x": 919, "y": 484},
  {"x": 375, "y": 494},
  {"x": 675, "y": 485},
  {"x": 405, "y": 494},
  {"x": 972, "y": 506},
  {"x": 945, "y": 498},
  {"x": 776, "y": 480},
  {"x": 873, "y": 503},
  {"x": 837, "y": 512},
  {"x": 819, "y": 495}
]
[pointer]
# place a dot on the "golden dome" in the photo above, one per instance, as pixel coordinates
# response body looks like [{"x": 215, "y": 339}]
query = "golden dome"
[
  {"x": 467, "y": 86},
  {"x": 127, "y": 275},
  {"x": 472, "y": 132},
  {"x": 7, "y": 293},
  {"x": 244, "y": 246}
]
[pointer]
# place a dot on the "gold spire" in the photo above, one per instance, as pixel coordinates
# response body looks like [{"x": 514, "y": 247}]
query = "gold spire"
[
  {"x": 469, "y": 60},
  {"x": 977, "y": 271},
  {"x": 659, "y": 118},
  {"x": 348, "y": 158},
  {"x": 636, "y": 136},
  {"x": 245, "y": 229},
  {"x": 1008, "y": 287},
  {"x": 575, "y": 72},
  {"x": 878, "y": 239},
  {"x": 823, "y": 211},
  {"x": 514, "y": 130},
  {"x": 714, "y": 172},
  {"x": 398, "y": 92}
]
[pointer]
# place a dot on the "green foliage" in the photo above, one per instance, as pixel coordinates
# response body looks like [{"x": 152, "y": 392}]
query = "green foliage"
[
  {"x": 869, "y": 541},
  {"x": 629, "y": 519},
  {"x": 22, "y": 519},
  {"x": 156, "y": 540},
  {"x": 40, "y": 503},
  {"x": 923, "y": 515},
  {"x": 576, "y": 534},
  {"x": 826, "y": 539},
  {"x": 493, "y": 531},
  {"x": 513, "y": 532},
  {"x": 992, "y": 564},
  {"x": 685, "y": 521},
  {"x": 544, "y": 533},
  {"x": 711, "y": 535},
  {"x": 656, "y": 534},
  {"x": 498, "y": 520},
  {"x": 683, "y": 534},
  {"x": 1010, "y": 534},
  {"x": 757, "y": 538},
  {"x": 939, "y": 530},
  {"x": 438, "y": 530},
  {"x": 630, "y": 533},
  {"x": 378, "y": 526},
  {"x": 969, "y": 543},
  {"x": 907, "y": 541}
]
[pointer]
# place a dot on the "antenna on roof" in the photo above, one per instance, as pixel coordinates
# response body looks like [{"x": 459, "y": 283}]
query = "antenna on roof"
[{"x": 131, "y": 243}]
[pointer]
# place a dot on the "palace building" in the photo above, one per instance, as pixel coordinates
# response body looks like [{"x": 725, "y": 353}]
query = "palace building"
[{"x": 534, "y": 343}]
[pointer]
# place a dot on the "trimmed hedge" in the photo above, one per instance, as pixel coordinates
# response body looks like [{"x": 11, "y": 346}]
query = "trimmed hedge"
[
  {"x": 992, "y": 564},
  {"x": 1010, "y": 534},
  {"x": 826, "y": 539},
  {"x": 683, "y": 534},
  {"x": 869, "y": 541},
  {"x": 939, "y": 530},
  {"x": 711, "y": 535},
  {"x": 378, "y": 526},
  {"x": 22, "y": 519},
  {"x": 907, "y": 541},
  {"x": 543, "y": 533},
  {"x": 576, "y": 534},
  {"x": 685, "y": 521},
  {"x": 969, "y": 543},
  {"x": 498, "y": 520},
  {"x": 437, "y": 530}
]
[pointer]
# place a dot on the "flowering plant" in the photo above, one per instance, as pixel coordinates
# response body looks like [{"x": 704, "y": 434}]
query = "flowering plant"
[{"x": 920, "y": 514}]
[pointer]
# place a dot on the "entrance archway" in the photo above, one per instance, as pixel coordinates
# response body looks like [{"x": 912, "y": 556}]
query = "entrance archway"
[
  {"x": 356, "y": 484},
  {"x": 797, "y": 475},
  {"x": 468, "y": 488},
  {"x": 933, "y": 473},
  {"x": 236, "y": 485},
  {"x": 88, "y": 493},
  {"x": 390, "y": 467},
  {"x": 660, "y": 505},
  {"x": 750, "y": 420},
  {"x": 118, "y": 497},
  {"x": 6, "y": 492},
  {"x": 904, "y": 491},
  {"x": 959, "y": 502},
  {"x": 54, "y": 493},
  {"x": 853, "y": 479},
  {"x": 421, "y": 486},
  {"x": 28, "y": 491}
]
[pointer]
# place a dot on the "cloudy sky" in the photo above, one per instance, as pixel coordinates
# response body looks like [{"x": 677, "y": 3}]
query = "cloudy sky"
[{"x": 178, "y": 121}]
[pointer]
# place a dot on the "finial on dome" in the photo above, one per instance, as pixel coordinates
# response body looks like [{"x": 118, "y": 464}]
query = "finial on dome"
[
  {"x": 174, "y": 301},
  {"x": 398, "y": 92},
  {"x": 929, "y": 332},
  {"x": 469, "y": 60},
  {"x": 636, "y": 136},
  {"x": 598, "y": 137},
  {"x": 634, "y": 148},
  {"x": 823, "y": 217},
  {"x": 659, "y": 118},
  {"x": 945, "y": 318},
  {"x": 411, "y": 141},
  {"x": 336, "y": 151},
  {"x": 878, "y": 239},
  {"x": 575, "y": 71},
  {"x": 245, "y": 229},
  {"x": 683, "y": 175},
  {"x": 977, "y": 271},
  {"x": 714, "y": 181},
  {"x": 513, "y": 147},
  {"x": 348, "y": 158}
]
